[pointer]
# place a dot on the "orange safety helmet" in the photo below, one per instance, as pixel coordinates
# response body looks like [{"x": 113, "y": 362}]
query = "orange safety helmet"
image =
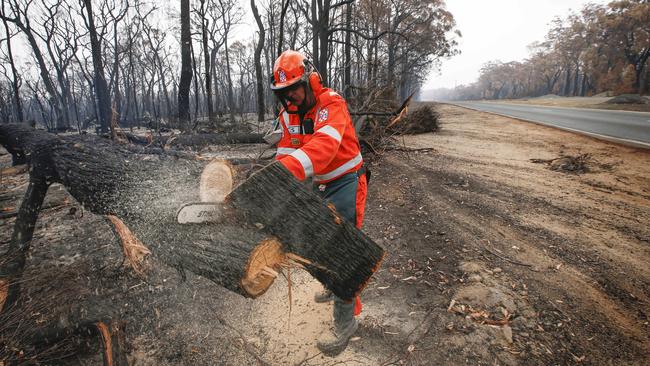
[{"x": 291, "y": 68}]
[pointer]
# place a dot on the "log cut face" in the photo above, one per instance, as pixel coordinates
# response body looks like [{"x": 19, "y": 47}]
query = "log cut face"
[
  {"x": 335, "y": 252},
  {"x": 145, "y": 191}
]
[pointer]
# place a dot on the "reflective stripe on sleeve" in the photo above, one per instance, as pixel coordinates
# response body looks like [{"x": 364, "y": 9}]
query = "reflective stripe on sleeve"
[
  {"x": 331, "y": 132},
  {"x": 340, "y": 170},
  {"x": 285, "y": 150},
  {"x": 305, "y": 161}
]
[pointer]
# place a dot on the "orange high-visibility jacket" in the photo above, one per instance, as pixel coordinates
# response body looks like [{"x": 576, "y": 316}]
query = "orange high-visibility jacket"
[{"x": 331, "y": 151}]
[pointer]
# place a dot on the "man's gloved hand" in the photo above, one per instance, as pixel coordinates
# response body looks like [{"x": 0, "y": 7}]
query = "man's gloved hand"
[{"x": 274, "y": 134}]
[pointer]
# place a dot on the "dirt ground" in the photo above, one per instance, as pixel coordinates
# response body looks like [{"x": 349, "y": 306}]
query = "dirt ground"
[{"x": 492, "y": 260}]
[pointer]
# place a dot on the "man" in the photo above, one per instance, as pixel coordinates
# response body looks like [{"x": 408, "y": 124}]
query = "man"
[{"x": 318, "y": 142}]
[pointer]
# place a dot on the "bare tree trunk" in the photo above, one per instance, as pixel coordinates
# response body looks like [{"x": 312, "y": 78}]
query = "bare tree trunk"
[
  {"x": 231, "y": 101},
  {"x": 258, "y": 64},
  {"x": 323, "y": 35},
  {"x": 347, "y": 67},
  {"x": 101, "y": 89},
  {"x": 43, "y": 68},
  {"x": 14, "y": 82},
  {"x": 567, "y": 82},
  {"x": 133, "y": 81},
  {"x": 116, "y": 77},
  {"x": 643, "y": 81},
  {"x": 197, "y": 80},
  {"x": 186, "y": 65},
  {"x": 206, "y": 59},
  {"x": 285, "y": 6},
  {"x": 213, "y": 62},
  {"x": 314, "y": 31},
  {"x": 576, "y": 79}
]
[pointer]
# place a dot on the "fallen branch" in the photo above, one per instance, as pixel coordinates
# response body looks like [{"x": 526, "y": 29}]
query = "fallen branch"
[{"x": 505, "y": 258}]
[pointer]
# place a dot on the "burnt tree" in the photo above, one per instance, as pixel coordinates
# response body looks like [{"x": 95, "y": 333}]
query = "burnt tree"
[
  {"x": 268, "y": 220},
  {"x": 259, "y": 77},
  {"x": 101, "y": 88},
  {"x": 186, "y": 65}
]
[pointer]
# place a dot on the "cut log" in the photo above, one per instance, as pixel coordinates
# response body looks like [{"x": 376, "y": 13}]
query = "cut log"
[
  {"x": 273, "y": 213},
  {"x": 335, "y": 252},
  {"x": 144, "y": 191},
  {"x": 204, "y": 139},
  {"x": 216, "y": 181}
]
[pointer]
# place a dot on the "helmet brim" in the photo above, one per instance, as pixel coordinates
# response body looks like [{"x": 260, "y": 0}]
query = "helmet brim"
[{"x": 284, "y": 85}]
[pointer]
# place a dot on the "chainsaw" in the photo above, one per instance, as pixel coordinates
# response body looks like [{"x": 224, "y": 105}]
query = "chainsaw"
[{"x": 202, "y": 212}]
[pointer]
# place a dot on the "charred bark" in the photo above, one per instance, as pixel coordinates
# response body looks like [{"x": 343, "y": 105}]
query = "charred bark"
[
  {"x": 196, "y": 141},
  {"x": 331, "y": 249},
  {"x": 109, "y": 334},
  {"x": 101, "y": 88},
  {"x": 146, "y": 191},
  {"x": 204, "y": 139},
  {"x": 16, "y": 254},
  {"x": 186, "y": 65}
]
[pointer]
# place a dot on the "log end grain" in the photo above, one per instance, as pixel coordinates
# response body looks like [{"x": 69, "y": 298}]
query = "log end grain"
[
  {"x": 265, "y": 259},
  {"x": 216, "y": 181}
]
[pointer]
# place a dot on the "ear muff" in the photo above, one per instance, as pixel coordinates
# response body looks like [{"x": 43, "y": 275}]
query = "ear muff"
[
  {"x": 315, "y": 81},
  {"x": 311, "y": 68}
]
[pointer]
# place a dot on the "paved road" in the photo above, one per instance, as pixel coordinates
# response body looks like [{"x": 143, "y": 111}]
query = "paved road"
[{"x": 632, "y": 128}]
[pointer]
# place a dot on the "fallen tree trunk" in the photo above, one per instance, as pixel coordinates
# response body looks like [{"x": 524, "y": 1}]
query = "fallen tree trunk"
[
  {"x": 198, "y": 140},
  {"x": 145, "y": 191},
  {"x": 201, "y": 140}
]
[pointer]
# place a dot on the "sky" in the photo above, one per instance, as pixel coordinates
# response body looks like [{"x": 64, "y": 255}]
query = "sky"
[{"x": 496, "y": 30}]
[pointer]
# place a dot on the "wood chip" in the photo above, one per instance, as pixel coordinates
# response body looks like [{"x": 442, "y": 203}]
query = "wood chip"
[
  {"x": 451, "y": 304},
  {"x": 270, "y": 271},
  {"x": 411, "y": 348}
]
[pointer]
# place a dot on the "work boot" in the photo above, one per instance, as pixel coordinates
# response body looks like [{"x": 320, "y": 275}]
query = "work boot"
[
  {"x": 345, "y": 325},
  {"x": 324, "y": 296}
]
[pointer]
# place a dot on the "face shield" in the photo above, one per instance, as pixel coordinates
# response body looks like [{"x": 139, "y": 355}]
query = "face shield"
[{"x": 297, "y": 98}]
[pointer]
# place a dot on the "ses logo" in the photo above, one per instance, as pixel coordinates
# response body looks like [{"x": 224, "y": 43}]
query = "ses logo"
[
  {"x": 322, "y": 115},
  {"x": 282, "y": 76}
]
